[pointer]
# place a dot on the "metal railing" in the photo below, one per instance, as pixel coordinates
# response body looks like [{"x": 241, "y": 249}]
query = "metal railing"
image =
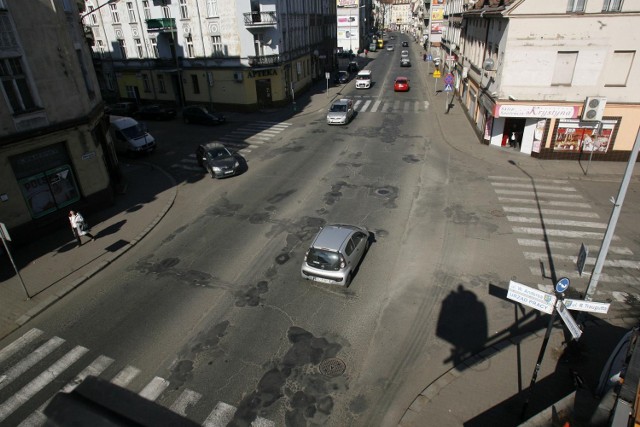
[{"x": 252, "y": 19}]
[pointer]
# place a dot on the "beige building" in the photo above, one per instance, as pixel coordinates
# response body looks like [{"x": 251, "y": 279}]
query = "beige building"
[
  {"x": 560, "y": 77},
  {"x": 54, "y": 150}
]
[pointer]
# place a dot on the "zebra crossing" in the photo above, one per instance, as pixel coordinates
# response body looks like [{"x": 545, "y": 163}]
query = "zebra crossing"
[
  {"x": 243, "y": 139},
  {"x": 551, "y": 219},
  {"x": 37, "y": 353},
  {"x": 390, "y": 106}
]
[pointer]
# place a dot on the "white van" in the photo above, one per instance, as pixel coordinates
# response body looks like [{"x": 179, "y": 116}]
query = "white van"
[
  {"x": 363, "y": 79},
  {"x": 130, "y": 136}
]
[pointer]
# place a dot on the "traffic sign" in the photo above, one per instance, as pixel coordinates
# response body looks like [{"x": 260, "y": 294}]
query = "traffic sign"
[
  {"x": 448, "y": 88},
  {"x": 582, "y": 305},
  {"x": 531, "y": 297},
  {"x": 437, "y": 74},
  {"x": 582, "y": 258},
  {"x": 451, "y": 57},
  {"x": 568, "y": 320},
  {"x": 448, "y": 79},
  {"x": 429, "y": 57},
  {"x": 562, "y": 285}
]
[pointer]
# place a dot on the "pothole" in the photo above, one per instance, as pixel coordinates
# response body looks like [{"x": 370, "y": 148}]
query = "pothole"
[
  {"x": 332, "y": 367},
  {"x": 497, "y": 212}
]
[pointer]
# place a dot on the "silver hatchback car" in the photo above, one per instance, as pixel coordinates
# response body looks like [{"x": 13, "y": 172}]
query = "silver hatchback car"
[
  {"x": 335, "y": 253},
  {"x": 341, "y": 112}
]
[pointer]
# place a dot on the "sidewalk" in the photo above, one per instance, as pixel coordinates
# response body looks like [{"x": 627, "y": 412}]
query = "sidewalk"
[{"x": 54, "y": 265}]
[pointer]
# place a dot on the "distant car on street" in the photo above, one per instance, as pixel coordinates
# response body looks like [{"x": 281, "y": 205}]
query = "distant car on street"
[
  {"x": 404, "y": 54},
  {"x": 201, "y": 115},
  {"x": 353, "y": 67},
  {"x": 405, "y": 44},
  {"x": 341, "y": 112},
  {"x": 341, "y": 77},
  {"x": 389, "y": 47},
  {"x": 155, "y": 112},
  {"x": 401, "y": 84},
  {"x": 405, "y": 62},
  {"x": 217, "y": 160}
]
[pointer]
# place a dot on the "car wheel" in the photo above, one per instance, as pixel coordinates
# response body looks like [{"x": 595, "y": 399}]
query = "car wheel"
[
  {"x": 213, "y": 175},
  {"x": 347, "y": 281}
]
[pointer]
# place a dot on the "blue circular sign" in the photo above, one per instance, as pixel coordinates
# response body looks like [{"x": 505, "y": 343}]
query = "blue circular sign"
[{"x": 562, "y": 285}]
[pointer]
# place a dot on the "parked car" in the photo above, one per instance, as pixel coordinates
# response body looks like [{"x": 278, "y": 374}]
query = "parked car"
[
  {"x": 126, "y": 109},
  {"x": 155, "y": 112},
  {"x": 401, "y": 84},
  {"x": 353, "y": 67},
  {"x": 405, "y": 62},
  {"x": 335, "y": 254},
  {"x": 389, "y": 47},
  {"x": 341, "y": 77},
  {"x": 217, "y": 160},
  {"x": 404, "y": 54},
  {"x": 201, "y": 115},
  {"x": 341, "y": 112},
  {"x": 405, "y": 44}
]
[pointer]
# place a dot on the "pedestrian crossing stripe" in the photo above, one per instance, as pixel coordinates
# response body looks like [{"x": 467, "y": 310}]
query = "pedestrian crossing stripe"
[
  {"x": 574, "y": 247},
  {"x": 383, "y": 106},
  {"x": 552, "y": 221},
  {"x": 220, "y": 416}
]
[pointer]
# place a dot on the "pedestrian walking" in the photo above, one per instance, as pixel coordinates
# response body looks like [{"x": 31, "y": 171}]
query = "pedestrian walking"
[{"x": 79, "y": 226}]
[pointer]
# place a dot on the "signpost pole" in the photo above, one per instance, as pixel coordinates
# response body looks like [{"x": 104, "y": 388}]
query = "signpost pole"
[{"x": 4, "y": 236}]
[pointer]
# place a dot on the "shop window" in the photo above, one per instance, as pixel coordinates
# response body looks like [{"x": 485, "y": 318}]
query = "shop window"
[
  {"x": 572, "y": 135},
  {"x": 46, "y": 179}
]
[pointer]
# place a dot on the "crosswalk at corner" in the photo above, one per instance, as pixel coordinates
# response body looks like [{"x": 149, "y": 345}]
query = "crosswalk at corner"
[
  {"x": 34, "y": 362},
  {"x": 389, "y": 106},
  {"x": 551, "y": 220},
  {"x": 244, "y": 140}
]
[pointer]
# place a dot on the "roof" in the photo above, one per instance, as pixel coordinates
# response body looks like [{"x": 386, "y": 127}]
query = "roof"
[{"x": 333, "y": 236}]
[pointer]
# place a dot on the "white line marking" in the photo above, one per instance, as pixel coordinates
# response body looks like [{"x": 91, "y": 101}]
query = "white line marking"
[
  {"x": 29, "y": 390},
  {"x": 545, "y": 202},
  {"x": 552, "y": 221},
  {"x": 375, "y": 106},
  {"x": 125, "y": 376},
  {"x": 366, "y": 105},
  {"x": 561, "y": 233},
  {"x": 619, "y": 250},
  {"x": 581, "y": 214},
  {"x": 221, "y": 415},
  {"x": 396, "y": 106},
  {"x": 18, "y": 344},
  {"x": 154, "y": 389},
  {"x": 518, "y": 178},
  {"x": 619, "y": 263},
  {"x": 385, "y": 107},
  {"x": 356, "y": 106},
  {"x": 187, "y": 398},
  {"x": 407, "y": 106},
  {"x": 531, "y": 187},
  {"x": 624, "y": 279},
  {"x": 426, "y": 105},
  {"x": 26, "y": 363},
  {"x": 538, "y": 194},
  {"x": 416, "y": 106}
]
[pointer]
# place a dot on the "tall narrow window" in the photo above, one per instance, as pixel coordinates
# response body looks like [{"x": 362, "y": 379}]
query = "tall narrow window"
[
  {"x": 154, "y": 48},
  {"x": 612, "y": 6},
  {"x": 7, "y": 35},
  {"x": 195, "y": 83},
  {"x": 576, "y": 5},
  {"x": 184, "y": 12},
  {"x": 139, "y": 48},
  {"x": 564, "y": 69},
  {"x": 145, "y": 83},
  {"x": 101, "y": 49},
  {"x": 216, "y": 46},
  {"x": 146, "y": 9},
  {"x": 190, "y": 51},
  {"x": 131, "y": 11},
  {"x": 123, "y": 49},
  {"x": 166, "y": 13},
  {"x": 109, "y": 80},
  {"x": 619, "y": 67},
  {"x": 92, "y": 16},
  {"x": 212, "y": 8},
  {"x": 161, "y": 86},
  {"x": 15, "y": 86},
  {"x": 115, "y": 16}
]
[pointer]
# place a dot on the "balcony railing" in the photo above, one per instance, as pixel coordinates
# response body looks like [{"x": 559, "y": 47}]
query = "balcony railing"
[
  {"x": 260, "y": 19},
  {"x": 261, "y": 61},
  {"x": 161, "y": 25}
]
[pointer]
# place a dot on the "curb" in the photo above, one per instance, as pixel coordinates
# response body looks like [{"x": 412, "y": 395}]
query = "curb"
[{"x": 59, "y": 294}]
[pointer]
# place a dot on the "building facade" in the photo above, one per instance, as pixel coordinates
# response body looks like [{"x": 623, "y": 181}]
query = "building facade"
[
  {"x": 560, "y": 79},
  {"x": 55, "y": 152},
  {"x": 231, "y": 54}
]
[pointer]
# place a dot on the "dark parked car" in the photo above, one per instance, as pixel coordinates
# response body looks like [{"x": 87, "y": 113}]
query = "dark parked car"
[
  {"x": 155, "y": 112},
  {"x": 405, "y": 44},
  {"x": 217, "y": 160},
  {"x": 341, "y": 77},
  {"x": 201, "y": 115},
  {"x": 353, "y": 67},
  {"x": 126, "y": 109}
]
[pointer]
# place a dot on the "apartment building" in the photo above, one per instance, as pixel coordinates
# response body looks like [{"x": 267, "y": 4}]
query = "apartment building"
[
  {"x": 55, "y": 154},
  {"x": 231, "y": 54},
  {"x": 561, "y": 77}
]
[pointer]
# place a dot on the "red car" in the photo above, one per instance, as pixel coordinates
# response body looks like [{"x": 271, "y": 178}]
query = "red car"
[{"x": 401, "y": 84}]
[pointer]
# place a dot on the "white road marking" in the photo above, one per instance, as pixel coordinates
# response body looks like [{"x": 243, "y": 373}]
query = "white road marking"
[
  {"x": 26, "y": 363},
  {"x": 581, "y": 214},
  {"x": 42, "y": 380},
  {"x": 426, "y": 105},
  {"x": 154, "y": 389},
  {"x": 608, "y": 278},
  {"x": 537, "y": 194},
  {"x": 552, "y": 221},
  {"x": 561, "y": 233},
  {"x": 572, "y": 246},
  {"x": 555, "y": 203},
  {"x": 621, "y": 263},
  {"x": 531, "y": 186},
  {"x": 125, "y": 376},
  {"x": 187, "y": 398},
  {"x": 375, "y": 106},
  {"x": 19, "y": 344},
  {"x": 221, "y": 415},
  {"x": 519, "y": 178}
]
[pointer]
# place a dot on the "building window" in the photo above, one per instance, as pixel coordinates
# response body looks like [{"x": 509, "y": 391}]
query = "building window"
[
  {"x": 161, "y": 87},
  {"x": 15, "y": 85},
  {"x": 564, "y": 69},
  {"x": 216, "y": 46},
  {"x": 576, "y": 5},
  {"x": 190, "y": 51},
  {"x": 115, "y": 16},
  {"x": 146, "y": 86},
  {"x": 101, "y": 48},
  {"x": 109, "y": 78},
  {"x": 166, "y": 13},
  {"x": 147, "y": 9},
  {"x": 132, "y": 92},
  {"x": 184, "y": 12},
  {"x": 194, "y": 82},
  {"x": 619, "y": 68},
  {"x": 612, "y": 6},
  {"x": 123, "y": 49},
  {"x": 7, "y": 35},
  {"x": 132, "y": 13},
  {"x": 92, "y": 16},
  {"x": 212, "y": 8},
  {"x": 154, "y": 48},
  {"x": 139, "y": 48}
]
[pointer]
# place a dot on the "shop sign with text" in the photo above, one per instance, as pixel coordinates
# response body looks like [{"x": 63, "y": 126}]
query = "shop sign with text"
[{"x": 539, "y": 111}]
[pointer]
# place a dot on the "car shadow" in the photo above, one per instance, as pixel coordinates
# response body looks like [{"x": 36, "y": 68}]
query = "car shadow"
[{"x": 354, "y": 273}]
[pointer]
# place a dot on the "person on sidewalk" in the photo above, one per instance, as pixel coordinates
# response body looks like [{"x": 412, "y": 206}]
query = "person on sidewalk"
[{"x": 79, "y": 226}]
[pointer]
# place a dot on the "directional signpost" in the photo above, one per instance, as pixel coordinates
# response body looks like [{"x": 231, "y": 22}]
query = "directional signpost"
[
  {"x": 582, "y": 258},
  {"x": 531, "y": 297},
  {"x": 448, "y": 87}
]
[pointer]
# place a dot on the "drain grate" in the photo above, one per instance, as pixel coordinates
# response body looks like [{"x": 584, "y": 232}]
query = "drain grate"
[{"x": 332, "y": 367}]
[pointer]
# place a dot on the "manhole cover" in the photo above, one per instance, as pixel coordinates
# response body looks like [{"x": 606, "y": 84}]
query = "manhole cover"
[
  {"x": 382, "y": 191},
  {"x": 332, "y": 367},
  {"x": 497, "y": 212}
]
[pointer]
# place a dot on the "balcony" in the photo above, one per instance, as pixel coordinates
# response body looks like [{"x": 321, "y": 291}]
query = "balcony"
[
  {"x": 161, "y": 25},
  {"x": 262, "y": 61},
  {"x": 260, "y": 19}
]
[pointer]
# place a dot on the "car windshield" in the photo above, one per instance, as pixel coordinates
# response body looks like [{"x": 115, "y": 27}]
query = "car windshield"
[
  {"x": 338, "y": 108},
  {"x": 401, "y": 81},
  {"x": 324, "y": 259},
  {"x": 134, "y": 132},
  {"x": 218, "y": 153},
  {"x": 364, "y": 77}
]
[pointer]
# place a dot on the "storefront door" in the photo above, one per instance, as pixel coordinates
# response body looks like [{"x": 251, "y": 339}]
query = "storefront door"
[{"x": 263, "y": 93}]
